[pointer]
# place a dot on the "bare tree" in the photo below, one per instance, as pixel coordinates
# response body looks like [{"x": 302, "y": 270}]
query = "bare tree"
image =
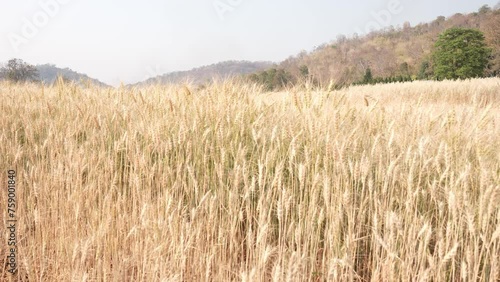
[{"x": 492, "y": 34}]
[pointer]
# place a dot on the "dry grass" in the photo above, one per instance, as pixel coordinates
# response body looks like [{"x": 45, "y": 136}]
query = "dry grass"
[{"x": 378, "y": 183}]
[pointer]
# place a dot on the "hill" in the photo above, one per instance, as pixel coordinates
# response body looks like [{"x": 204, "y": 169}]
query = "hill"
[
  {"x": 395, "y": 51},
  {"x": 49, "y": 73},
  {"x": 208, "y": 73}
]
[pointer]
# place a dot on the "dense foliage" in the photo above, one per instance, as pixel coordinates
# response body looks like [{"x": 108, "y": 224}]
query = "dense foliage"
[{"x": 460, "y": 53}]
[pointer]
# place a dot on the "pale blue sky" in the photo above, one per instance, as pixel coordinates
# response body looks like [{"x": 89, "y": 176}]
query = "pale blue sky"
[{"x": 129, "y": 40}]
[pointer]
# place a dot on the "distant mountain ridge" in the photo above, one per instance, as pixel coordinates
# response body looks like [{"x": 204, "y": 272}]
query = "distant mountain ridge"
[
  {"x": 207, "y": 73},
  {"x": 49, "y": 73}
]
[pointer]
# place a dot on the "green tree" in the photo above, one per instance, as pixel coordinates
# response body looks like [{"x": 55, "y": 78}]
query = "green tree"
[
  {"x": 460, "y": 53},
  {"x": 17, "y": 70},
  {"x": 404, "y": 69},
  {"x": 425, "y": 71},
  {"x": 272, "y": 79},
  {"x": 368, "y": 78}
]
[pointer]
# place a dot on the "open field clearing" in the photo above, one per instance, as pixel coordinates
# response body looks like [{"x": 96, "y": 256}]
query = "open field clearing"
[{"x": 396, "y": 182}]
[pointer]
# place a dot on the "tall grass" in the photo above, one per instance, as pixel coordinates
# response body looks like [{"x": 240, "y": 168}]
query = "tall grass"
[{"x": 393, "y": 182}]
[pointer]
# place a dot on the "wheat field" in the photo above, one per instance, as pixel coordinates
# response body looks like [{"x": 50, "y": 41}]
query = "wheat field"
[{"x": 397, "y": 182}]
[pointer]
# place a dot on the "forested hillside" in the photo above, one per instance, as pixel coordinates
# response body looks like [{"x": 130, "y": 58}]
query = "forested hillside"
[{"x": 396, "y": 51}]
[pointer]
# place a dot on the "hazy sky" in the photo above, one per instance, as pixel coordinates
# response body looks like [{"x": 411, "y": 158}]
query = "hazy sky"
[{"x": 130, "y": 40}]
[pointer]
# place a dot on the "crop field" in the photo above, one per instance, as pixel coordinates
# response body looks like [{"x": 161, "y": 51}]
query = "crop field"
[{"x": 395, "y": 182}]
